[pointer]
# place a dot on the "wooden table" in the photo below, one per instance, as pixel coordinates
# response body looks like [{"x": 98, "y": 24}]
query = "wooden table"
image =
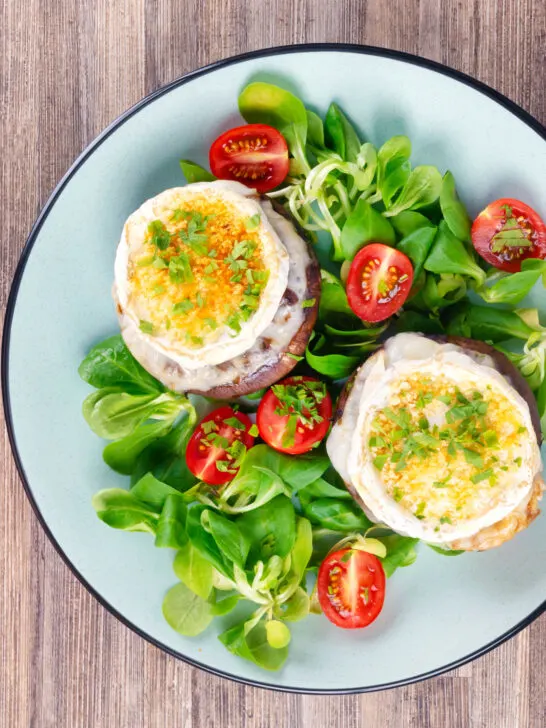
[{"x": 68, "y": 68}]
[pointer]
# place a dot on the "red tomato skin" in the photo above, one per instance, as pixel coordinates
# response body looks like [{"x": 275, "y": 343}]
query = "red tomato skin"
[
  {"x": 380, "y": 258},
  {"x": 272, "y": 426},
  {"x": 201, "y": 460},
  {"x": 490, "y": 221},
  {"x": 370, "y": 571},
  {"x": 254, "y": 154}
]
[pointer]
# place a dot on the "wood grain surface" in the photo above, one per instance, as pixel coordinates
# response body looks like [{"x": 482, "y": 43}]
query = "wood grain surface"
[{"x": 68, "y": 68}]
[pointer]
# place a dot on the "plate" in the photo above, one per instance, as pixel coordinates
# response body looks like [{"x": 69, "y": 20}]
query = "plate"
[{"x": 440, "y": 612}]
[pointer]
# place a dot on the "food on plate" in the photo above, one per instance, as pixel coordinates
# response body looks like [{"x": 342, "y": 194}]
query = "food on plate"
[
  {"x": 508, "y": 232},
  {"x": 294, "y": 415},
  {"x": 379, "y": 282},
  {"x": 351, "y": 588},
  {"x": 212, "y": 287},
  {"x": 439, "y": 445},
  {"x": 437, "y": 428},
  {"x": 218, "y": 445},
  {"x": 254, "y": 154}
]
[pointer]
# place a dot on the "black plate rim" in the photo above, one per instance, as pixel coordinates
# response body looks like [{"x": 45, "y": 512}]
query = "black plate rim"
[{"x": 408, "y": 58}]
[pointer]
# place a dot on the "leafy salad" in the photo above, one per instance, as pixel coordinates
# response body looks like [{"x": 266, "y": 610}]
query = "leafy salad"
[{"x": 264, "y": 530}]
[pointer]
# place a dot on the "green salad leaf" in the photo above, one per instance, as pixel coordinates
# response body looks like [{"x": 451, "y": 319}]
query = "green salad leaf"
[
  {"x": 271, "y": 529},
  {"x": 364, "y": 225},
  {"x": 453, "y": 210},
  {"x": 192, "y": 568},
  {"x": 449, "y": 255},
  {"x": 111, "y": 364},
  {"x": 264, "y": 103},
  {"x": 194, "y": 172},
  {"x": 187, "y": 612},
  {"x": 340, "y": 134},
  {"x": 422, "y": 187}
]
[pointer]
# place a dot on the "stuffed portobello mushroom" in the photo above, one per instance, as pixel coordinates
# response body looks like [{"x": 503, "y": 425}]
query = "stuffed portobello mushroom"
[
  {"x": 216, "y": 290},
  {"x": 439, "y": 440}
]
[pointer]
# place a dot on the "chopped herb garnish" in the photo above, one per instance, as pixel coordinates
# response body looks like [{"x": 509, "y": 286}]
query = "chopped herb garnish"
[
  {"x": 180, "y": 269},
  {"x": 212, "y": 323},
  {"x": 254, "y": 431},
  {"x": 200, "y": 300},
  {"x": 380, "y": 461},
  {"x": 224, "y": 466},
  {"x": 299, "y": 402},
  {"x": 160, "y": 237},
  {"x": 402, "y": 419},
  {"x": 484, "y": 475},
  {"x": 178, "y": 215},
  {"x": 183, "y": 306},
  {"x": 397, "y": 494},
  {"x": 211, "y": 267},
  {"x": 420, "y": 510},
  {"x": 294, "y": 356},
  {"x": 217, "y": 440},
  {"x": 160, "y": 263},
  {"x": 423, "y": 400},
  {"x": 197, "y": 340},
  {"x": 242, "y": 251},
  {"x": 167, "y": 323},
  {"x": 234, "y": 422},
  {"x": 146, "y": 327},
  {"x": 308, "y": 302},
  {"x": 158, "y": 290},
  {"x": 518, "y": 461},
  {"x": 233, "y": 322},
  {"x": 237, "y": 450},
  {"x": 194, "y": 235},
  {"x": 511, "y": 234},
  {"x": 490, "y": 438},
  {"x": 148, "y": 260},
  {"x": 251, "y": 223},
  {"x": 209, "y": 426},
  {"x": 445, "y": 519},
  {"x": 472, "y": 457}
]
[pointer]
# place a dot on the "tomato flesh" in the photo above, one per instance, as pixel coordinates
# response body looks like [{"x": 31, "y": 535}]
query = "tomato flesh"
[
  {"x": 351, "y": 588},
  {"x": 254, "y": 154},
  {"x": 379, "y": 282},
  {"x": 212, "y": 452},
  {"x": 507, "y": 232},
  {"x": 285, "y": 421}
]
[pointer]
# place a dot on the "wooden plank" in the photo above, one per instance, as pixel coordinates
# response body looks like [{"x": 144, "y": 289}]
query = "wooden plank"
[{"x": 66, "y": 70}]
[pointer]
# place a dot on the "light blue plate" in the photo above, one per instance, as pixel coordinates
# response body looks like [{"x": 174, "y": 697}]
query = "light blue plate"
[{"x": 439, "y": 613}]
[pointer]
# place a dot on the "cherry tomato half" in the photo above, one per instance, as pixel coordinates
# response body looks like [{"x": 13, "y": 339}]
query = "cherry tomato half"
[
  {"x": 507, "y": 232},
  {"x": 254, "y": 154},
  {"x": 351, "y": 588},
  {"x": 295, "y": 414},
  {"x": 218, "y": 442},
  {"x": 379, "y": 282}
]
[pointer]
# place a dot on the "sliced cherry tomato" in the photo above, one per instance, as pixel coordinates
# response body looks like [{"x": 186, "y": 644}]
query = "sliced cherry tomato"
[
  {"x": 507, "y": 232},
  {"x": 295, "y": 414},
  {"x": 219, "y": 441},
  {"x": 379, "y": 282},
  {"x": 255, "y": 154},
  {"x": 351, "y": 588}
]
